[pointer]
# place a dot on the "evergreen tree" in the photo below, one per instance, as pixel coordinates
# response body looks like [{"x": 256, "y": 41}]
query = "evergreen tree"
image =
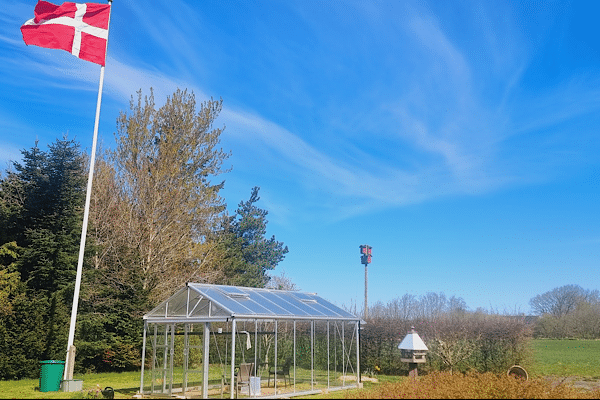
[
  {"x": 11, "y": 205},
  {"x": 53, "y": 196},
  {"x": 41, "y": 203},
  {"x": 32, "y": 181},
  {"x": 247, "y": 254}
]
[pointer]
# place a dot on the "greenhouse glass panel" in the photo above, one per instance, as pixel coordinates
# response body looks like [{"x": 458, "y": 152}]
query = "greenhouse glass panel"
[
  {"x": 199, "y": 308},
  {"x": 323, "y": 308},
  {"x": 204, "y": 328},
  {"x": 256, "y": 308},
  {"x": 292, "y": 306},
  {"x": 275, "y": 304},
  {"x": 227, "y": 302},
  {"x": 165, "y": 309}
]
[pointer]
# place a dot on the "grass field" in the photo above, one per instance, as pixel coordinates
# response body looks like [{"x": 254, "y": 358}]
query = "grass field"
[
  {"x": 560, "y": 358},
  {"x": 566, "y": 358},
  {"x": 126, "y": 384}
]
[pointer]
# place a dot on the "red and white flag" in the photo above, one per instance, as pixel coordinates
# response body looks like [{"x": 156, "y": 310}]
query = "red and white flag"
[{"x": 80, "y": 29}]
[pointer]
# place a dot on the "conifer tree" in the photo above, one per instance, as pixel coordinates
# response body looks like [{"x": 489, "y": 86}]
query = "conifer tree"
[
  {"x": 53, "y": 194},
  {"x": 246, "y": 254},
  {"x": 41, "y": 203}
]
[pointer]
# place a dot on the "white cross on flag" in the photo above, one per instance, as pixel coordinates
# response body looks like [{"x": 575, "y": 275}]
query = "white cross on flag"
[{"x": 80, "y": 29}]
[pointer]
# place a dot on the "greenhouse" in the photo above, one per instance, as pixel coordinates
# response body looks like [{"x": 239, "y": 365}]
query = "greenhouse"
[{"x": 218, "y": 341}]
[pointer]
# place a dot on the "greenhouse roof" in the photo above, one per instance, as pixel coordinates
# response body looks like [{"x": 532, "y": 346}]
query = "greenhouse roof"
[{"x": 199, "y": 302}]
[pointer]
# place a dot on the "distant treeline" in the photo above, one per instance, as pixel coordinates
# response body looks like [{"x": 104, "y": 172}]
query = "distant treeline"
[
  {"x": 567, "y": 312},
  {"x": 459, "y": 339}
]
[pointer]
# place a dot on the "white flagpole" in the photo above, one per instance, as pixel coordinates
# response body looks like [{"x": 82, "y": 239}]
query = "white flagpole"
[{"x": 70, "y": 358}]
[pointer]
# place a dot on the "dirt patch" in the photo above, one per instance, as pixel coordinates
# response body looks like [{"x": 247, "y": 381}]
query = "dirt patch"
[
  {"x": 576, "y": 381},
  {"x": 353, "y": 378}
]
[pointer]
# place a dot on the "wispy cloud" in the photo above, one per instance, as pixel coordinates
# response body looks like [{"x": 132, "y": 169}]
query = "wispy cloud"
[
  {"x": 458, "y": 138},
  {"x": 577, "y": 96},
  {"x": 443, "y": 111}
]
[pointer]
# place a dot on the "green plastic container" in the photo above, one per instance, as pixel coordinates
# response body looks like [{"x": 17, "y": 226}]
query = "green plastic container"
[{"x": 51, "y": 375}]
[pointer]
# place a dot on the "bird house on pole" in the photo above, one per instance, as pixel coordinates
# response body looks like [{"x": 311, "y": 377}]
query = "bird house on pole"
[{"x": 413, "y": 351}]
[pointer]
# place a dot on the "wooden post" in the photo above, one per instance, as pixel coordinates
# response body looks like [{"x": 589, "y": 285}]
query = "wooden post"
[
  {"x": 412, "y": 370},
  {"x": 71, "y": 366}
]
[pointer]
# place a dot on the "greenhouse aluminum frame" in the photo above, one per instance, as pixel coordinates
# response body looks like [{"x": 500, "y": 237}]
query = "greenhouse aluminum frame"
[{"x": 198, "y": 303}]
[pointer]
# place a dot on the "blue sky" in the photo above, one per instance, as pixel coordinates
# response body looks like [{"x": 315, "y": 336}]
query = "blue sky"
[{"x": 460, "y": 142}]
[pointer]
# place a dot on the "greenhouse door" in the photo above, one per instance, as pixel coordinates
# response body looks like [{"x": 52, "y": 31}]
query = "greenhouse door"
[{"x": 163, "y": 349}]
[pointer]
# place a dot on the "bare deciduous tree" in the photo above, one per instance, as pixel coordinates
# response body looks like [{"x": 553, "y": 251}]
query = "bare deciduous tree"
[
  {"x": 281, "y": 282},
  {"x": 560, "y": 301},
  {"x": 453, "y": 351},
  {"x": 155, "y": 202}
]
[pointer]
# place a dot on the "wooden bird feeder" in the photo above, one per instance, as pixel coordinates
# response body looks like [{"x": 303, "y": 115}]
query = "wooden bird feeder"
[{"x": 413, "y": 351}]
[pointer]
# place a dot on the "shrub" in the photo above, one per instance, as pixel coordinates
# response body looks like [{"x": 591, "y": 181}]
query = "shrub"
[
  {"x": 443, "y": 385},
  {"x": 457, "y": 341}
]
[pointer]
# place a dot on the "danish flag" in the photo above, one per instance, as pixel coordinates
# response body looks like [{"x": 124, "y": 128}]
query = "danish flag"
[{"x": 80, "y": 29}]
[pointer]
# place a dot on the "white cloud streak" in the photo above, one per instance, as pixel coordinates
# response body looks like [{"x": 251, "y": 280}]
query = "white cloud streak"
[{"x": 436, "y": 114}]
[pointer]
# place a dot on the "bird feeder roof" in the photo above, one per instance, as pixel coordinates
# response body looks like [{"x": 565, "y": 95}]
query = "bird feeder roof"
[{"x": 412, "y": 341}]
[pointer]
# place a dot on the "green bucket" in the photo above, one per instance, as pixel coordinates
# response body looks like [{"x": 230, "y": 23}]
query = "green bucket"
[{"x": 51, "y": 375}]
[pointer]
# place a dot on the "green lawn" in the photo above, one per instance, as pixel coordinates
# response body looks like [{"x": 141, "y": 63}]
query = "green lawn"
[
  {"x": 551, "y": 357},
  {"x": 566, "y": 358},
  {"x": 126, "y": 384}
]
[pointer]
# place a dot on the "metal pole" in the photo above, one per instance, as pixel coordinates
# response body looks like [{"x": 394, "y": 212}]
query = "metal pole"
[
  {"x": 294, "y": 356},
  {"x": 344, "y": 351},
  {"x": 172, "y": 353},
  {"x": 70, "y": 358},
  {"x": 205, "y": 360},
  {"x": 327, "y": 354},
  {"x": 143, "y": 358},
  {"x": 358, "y": 375},
  {"x": 366, "y": 284},
  {"x": 335, "y": 347},
  {"x": 186, "y": 353},
  {"x": 275, "y": 361},
  {"x": 165, "y": 359},
  {"x": 154, "y": 346},
  {"x": 312, "y": 354},
  {"x": 255, "y": 348},
  {"x": 233, "y": 383}
]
